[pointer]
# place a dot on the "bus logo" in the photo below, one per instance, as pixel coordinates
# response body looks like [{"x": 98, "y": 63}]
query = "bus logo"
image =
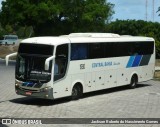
[{"x": 82, "y": 66}]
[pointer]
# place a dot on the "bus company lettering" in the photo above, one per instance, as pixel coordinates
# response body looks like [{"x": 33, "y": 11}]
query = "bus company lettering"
[
  {"x": 101, "y": 64},
  {"x": 104, "y": 64}
]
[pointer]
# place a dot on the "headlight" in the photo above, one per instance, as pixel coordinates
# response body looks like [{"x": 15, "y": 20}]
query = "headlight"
[
  {"x": 44, "y": 89},
  {"x": 17, "y": 83}
]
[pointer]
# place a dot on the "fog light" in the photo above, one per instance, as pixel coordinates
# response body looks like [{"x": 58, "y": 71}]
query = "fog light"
[
  {"x": 46, "y": 96},
  {"x": 17, "y": 84}
]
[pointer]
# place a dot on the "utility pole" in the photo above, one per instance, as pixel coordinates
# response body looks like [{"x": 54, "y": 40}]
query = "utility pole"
[
  {"x": 146, "y": 10},
  {"x": 153, "y": 10}
]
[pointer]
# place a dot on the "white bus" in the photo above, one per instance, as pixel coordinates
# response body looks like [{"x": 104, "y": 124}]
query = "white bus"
[{"x": 70, "y": 65}]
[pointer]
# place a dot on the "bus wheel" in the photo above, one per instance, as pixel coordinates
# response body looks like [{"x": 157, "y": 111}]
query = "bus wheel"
[
  {"x": 76, "y": 92},
  {"x": 5, "y": 43},
  {"x": 13, "y": 43},
  {"x": 133, "y": 82}
]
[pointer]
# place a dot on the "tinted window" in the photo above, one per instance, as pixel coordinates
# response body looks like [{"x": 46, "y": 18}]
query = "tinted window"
[
  {"x": 117, "y": 49},
  {"x": 110, "y": 49},
  {"x": 36, "y": 49},
  {"x": 146, "y": 48},
  {"x": 141, "y": 48},
  {"x": 62, "y": 51},
  {"x": 96, "y": 50},
  {"x": 79, "y": 51}
]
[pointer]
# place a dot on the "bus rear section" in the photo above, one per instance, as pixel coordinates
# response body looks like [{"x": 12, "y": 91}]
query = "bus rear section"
[{"x": 98, "y": 63}]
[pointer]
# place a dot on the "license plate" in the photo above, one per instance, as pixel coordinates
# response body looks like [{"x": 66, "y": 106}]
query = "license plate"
[{"x": 28, "y": 93}]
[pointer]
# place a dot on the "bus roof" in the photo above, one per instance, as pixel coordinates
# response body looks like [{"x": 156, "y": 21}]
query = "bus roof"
[
  {"x": 47, "y": 40},
  {"x": 86, "y": 38}
]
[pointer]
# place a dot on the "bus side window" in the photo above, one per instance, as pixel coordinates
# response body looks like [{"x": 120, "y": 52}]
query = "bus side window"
[
  {"x": 96, "y": 50},
  {"x": 79, "y": 51}
]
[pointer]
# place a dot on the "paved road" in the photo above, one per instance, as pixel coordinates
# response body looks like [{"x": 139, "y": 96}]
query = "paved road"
[{"x": 142, "y": 102}]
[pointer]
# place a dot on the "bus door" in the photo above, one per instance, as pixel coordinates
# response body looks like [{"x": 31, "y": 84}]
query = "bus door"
[{"x": 60, "y": 69}]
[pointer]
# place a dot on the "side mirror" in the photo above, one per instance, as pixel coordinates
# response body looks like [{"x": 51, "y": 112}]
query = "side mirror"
[
  {"x": 8, "y": 56},
  {"x": 47, "y": 62}
]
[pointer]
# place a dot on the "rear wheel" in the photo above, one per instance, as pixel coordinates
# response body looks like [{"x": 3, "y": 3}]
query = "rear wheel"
[
  {"x": 76, "y": 92},
  {"x": 133, "y": 82}
]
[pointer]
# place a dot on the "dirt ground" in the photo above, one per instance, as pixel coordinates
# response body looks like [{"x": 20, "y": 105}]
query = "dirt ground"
[
  {"x": 157, "y": 73},
  {"x": 5, "y": 50},
  {"x": 158, "y": 62}
]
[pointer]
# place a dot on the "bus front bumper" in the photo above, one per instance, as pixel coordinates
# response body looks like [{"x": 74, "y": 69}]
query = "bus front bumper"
[{"x": 46, "y": 94}]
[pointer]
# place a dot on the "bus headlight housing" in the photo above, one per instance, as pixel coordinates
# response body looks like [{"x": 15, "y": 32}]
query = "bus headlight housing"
[
  {"x": 17, "y": 83},
  {"x": 45, "y": 89}
]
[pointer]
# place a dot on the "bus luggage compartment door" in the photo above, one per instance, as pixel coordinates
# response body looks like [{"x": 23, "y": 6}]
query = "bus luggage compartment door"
[{"x": 90, "y": 81}]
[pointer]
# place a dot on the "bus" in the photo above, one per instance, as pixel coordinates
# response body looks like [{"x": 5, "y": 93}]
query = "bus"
[
  {"x": 9, "y": 39},
  {"x": 74, "y": 64}
]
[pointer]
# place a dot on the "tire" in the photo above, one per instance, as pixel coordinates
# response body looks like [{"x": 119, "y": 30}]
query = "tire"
[
  {"x": 6, "y": 43},
  {"x": 76, "y": 92},
  {"x": 133, "y": 82}
]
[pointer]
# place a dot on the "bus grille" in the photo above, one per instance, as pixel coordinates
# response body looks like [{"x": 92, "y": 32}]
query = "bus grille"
[{"x": 24, "y": 89}]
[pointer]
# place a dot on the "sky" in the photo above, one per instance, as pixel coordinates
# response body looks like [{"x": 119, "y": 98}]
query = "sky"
[
  {"x": 133, "y": 9},
  {"x": 0, "y": 3}
]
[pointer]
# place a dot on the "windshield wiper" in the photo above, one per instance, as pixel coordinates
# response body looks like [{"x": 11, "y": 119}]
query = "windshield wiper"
[{"x": 21, "y": 76}]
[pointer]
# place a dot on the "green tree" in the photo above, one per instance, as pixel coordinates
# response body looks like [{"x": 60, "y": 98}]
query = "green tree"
[
  {"x": 9, "y": 29},
  {"x": 1, "y": 31},
  {"x": 56, "y": 17}
]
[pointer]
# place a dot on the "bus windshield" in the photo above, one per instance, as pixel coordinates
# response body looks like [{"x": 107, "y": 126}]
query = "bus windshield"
[{"x": 30, "y": 65}]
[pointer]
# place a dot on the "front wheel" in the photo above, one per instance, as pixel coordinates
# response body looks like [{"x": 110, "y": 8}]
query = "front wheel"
[
  {"x": 76, "y": 92},
  {"x": 133, "y": 82}
]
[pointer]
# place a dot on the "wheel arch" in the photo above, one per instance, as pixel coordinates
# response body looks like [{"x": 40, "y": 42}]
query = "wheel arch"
[
  {"x": 134, "y": 74},
  {"x": 78, "y": 82}
]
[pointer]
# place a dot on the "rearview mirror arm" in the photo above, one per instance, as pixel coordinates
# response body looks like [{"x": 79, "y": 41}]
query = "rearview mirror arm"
[
  {"x": 47, "y": 62},
  {"x": 8, "y": 56}
]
